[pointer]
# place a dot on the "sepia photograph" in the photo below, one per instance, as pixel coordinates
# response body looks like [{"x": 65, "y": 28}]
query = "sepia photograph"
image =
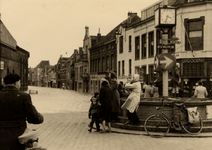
[{"x": 119, "y": 75}]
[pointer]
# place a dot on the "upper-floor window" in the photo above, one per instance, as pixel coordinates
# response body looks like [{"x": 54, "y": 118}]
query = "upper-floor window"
[
  {"x": 121, "y": 44},
  {"x": 107, "y": 62},
  {"x": 130, "y": 66},
  {"x": 137, "y": 48},
  {"x": 122, "y": 67},
  {"x": 151, "y": 44},
  {"x": 144, "y": 46},
  {"x": 130, "y": 43},
  {"x": 112, "y": 62},
  {"x": 194, "y": 33},
  {"x": 119, "y": 68}
]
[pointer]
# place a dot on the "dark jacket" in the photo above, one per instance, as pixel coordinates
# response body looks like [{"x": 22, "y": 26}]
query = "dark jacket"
[
  {"x": 15, "y": 109},
  {"x": 94, "y": 109}
]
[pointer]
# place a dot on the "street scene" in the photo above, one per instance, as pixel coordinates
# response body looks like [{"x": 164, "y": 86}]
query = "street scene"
[
  {"x": 117, "y": 75},
  {"x": 66, "y": 122}
]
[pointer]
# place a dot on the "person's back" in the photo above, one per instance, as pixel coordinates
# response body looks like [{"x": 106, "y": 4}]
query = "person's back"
[
  {"x": 200, "y": 91},
  {"x": 148, "y": 91},
  {"x": 15, "y": 108}
]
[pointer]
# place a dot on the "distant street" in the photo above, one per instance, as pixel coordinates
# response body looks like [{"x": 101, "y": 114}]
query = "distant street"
[{"x": 66, "y": 121}]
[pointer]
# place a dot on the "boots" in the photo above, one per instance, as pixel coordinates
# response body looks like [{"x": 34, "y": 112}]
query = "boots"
[{"x": 90, "y": 129}]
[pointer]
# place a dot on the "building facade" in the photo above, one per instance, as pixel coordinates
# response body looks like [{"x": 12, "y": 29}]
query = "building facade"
[{"x": 13, "y": 59}]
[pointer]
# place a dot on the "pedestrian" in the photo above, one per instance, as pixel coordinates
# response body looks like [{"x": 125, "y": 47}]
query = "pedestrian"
[
  {"x": 155, "y": 91},
  {"x": 115, "y": 96},
  {"x": 148, "y": 90},
  {"x": 93, "y": 112},
  {"x": 175, "y": 80},
  {"x": 16, "y": 108},
  {"x": 133, "y": 100},
  {"x": 105, "y": 98},
  {"x": 200, "y": 91},
  {"x": 121, "y": 89}
]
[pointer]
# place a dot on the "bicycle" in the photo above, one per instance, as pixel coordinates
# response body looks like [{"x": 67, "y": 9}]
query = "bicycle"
[{"x": 159, "y": 124}]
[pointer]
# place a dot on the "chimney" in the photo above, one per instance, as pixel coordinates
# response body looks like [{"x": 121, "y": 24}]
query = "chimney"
[
  {"x": 86, "y": 30},
  {"x": 130, "y": 16},
  {"x": 99, "y": 36}
]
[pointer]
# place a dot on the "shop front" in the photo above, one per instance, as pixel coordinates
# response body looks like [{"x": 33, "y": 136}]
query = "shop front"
[{"x": 194, "y": 70}]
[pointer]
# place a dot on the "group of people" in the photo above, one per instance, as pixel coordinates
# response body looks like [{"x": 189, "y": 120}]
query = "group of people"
[{"x": 105, "y": 104}]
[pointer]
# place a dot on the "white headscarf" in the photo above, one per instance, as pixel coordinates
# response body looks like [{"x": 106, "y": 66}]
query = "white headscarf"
[{"x": 136, "y": 77}]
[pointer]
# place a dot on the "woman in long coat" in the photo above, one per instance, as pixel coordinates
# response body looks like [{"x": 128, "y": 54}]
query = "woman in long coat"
[
  {"x": 115, "y": 97},
  {"x": 105, "y": 97},
  {"x": 133, "y": 100}
]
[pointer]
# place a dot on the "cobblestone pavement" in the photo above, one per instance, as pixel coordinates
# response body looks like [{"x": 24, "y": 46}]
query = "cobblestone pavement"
[{"x": 65, "y": 127}]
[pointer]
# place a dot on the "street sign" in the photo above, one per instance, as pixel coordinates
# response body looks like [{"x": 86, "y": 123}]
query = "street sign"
[{"x": 166, "y": 61}]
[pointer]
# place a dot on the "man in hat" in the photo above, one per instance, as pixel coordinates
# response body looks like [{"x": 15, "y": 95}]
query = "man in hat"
[{"x": 15, "y": 109}]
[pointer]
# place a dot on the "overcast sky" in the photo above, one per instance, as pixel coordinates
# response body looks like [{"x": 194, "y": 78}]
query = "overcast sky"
[{"x": 50, "y": 28}]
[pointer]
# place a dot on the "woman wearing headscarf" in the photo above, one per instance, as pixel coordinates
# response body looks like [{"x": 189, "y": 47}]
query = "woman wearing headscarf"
[
  {"x": 133, "y": 100},
  {"x": 105, "y": 97}
]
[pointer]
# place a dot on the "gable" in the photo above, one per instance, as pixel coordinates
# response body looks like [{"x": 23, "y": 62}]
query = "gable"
[{"x": 6, "y": 37}]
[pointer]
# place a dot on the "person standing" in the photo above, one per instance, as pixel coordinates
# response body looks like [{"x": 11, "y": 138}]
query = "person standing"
[
  {"x": 200, "y": 91},
  {"x": 133, "y": 100},
  {"x": 175, "y": 80},
  {"x": 121, "y": 89},
  {"x": 93, "y": 112},
  {"x": 115, "y": 96},
  {"x": 105, "y": 99},
  {"x": 149, "y": 91},
  {"x": 15, "y": 109}
]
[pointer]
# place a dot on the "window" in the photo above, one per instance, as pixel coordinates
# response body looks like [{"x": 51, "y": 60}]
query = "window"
[
  {"x": 102, "y": 63},
  {"x": 122, "y": 67},
  {"x": 121, "y": 44},
  {"x": 130, "y": 66},
  {"x": 194, "y": 34},
  {"x": 144, "y": 46},
  {"x": 137, "y": 48},
  {"x": 151, "y": 44},
  {"x": 119, "y": 68},
  {"x": 130, "y": 43},
  {"x": 159, "y": 41},
  {"x": 145, "y": 78},
  {"x": 107, "y": 62},
  {"x": 99, "y": 64},
  {"x": 112, "y": 62}
]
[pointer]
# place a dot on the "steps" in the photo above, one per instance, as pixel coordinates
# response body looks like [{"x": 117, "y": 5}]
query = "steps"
[{"x": 207, "y": 126}]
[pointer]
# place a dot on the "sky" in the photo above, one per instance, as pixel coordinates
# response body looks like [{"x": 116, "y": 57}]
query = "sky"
[{"x": 50, "y": 28}]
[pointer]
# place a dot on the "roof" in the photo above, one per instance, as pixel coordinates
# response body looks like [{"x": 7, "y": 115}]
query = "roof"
[
  {"x": 43, "y": 63},
  {"x": 112, "y": 34}
]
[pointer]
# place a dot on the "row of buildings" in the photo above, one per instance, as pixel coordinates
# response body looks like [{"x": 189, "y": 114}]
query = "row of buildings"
[{"x": 131, "y": 47}]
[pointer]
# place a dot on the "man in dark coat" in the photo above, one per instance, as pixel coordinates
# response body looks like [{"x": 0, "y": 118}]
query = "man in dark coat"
[{"x": 15, "y": 109}]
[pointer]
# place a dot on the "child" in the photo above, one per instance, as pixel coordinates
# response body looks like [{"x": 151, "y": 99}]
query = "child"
[{"x": 94, "y": 112}]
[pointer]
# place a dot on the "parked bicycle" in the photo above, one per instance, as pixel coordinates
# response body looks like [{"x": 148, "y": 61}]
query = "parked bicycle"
[{"x": 159, "y": 124}]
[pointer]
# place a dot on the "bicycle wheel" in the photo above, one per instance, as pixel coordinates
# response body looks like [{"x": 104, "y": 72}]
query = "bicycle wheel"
[
  {"x": 193, "y": 128},
  {"x": 157, "y": 126}
]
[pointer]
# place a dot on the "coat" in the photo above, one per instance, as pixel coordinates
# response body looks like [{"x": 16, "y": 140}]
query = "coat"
[
  {"x": 15, "y": 109},
  {"x": 133, "y": 99},
  {"x": 115, "y": 95},
  {"x": 200, "y": 92},
  {"x": 105, "y": 99}
]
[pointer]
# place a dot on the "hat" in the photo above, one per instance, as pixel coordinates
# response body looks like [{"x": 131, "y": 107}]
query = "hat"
[{"x": 11, "y": 78}]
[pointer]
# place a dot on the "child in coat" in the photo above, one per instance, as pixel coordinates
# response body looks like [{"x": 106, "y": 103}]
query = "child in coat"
[{"x": 94, "y": 112}]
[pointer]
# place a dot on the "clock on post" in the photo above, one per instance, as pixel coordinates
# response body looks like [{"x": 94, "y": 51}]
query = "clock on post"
[{"x": 165, "y": 17}]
